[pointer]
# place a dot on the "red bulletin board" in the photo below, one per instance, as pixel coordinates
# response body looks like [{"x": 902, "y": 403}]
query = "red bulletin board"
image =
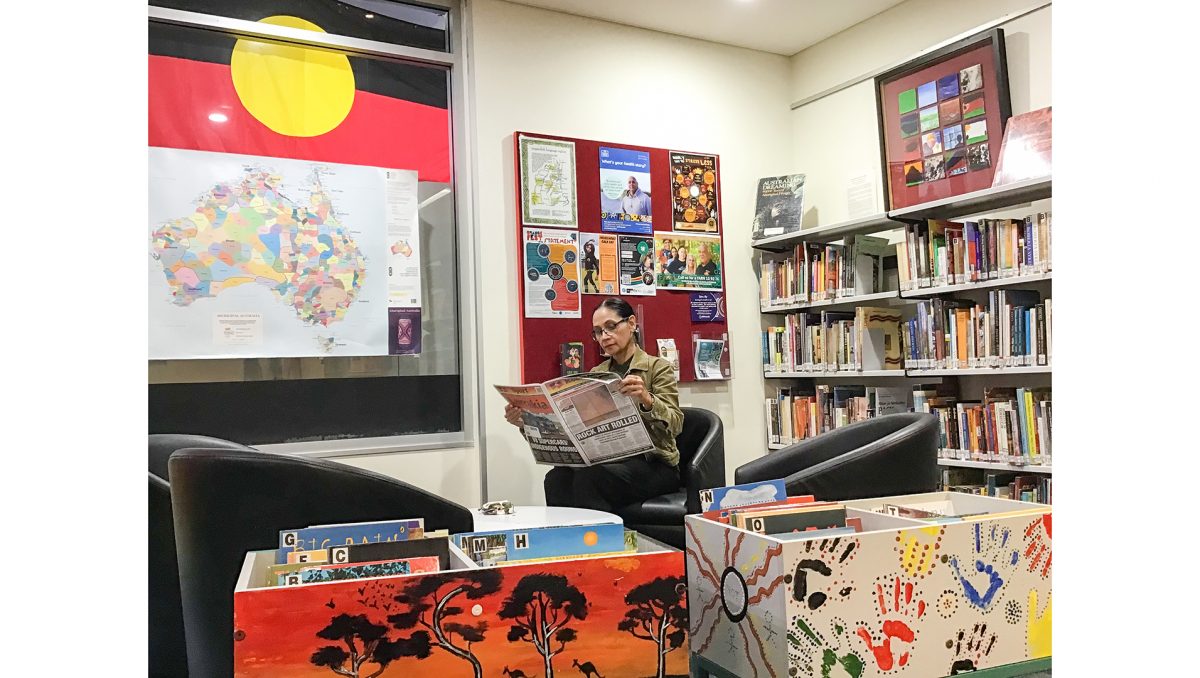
[{"x": 666, "y": 315}]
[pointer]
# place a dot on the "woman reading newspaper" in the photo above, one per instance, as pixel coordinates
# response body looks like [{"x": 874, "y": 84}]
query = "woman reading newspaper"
[{"x": 650, "y": 381}]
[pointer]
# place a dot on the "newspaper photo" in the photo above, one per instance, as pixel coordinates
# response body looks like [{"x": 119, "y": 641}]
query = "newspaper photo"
[{"x": 579, "y": 420}]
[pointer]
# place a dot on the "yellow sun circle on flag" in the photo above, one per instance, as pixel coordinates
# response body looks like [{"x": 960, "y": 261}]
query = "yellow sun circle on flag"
[
  {"x": 297, "y": 91},
  {"x": 590, "y": 538}
]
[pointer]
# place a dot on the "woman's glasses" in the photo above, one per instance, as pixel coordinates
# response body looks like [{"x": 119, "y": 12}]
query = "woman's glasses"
[{"x": 609, "y": 328}]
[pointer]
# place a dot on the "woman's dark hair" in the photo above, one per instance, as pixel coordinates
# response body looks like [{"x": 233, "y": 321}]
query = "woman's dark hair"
[
  {"x": 589, "y": 245},
  {"x": 623, "y": 310}
]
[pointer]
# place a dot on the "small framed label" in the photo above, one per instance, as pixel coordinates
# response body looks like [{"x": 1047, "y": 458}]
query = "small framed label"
[{"x": 340, "y": 554}]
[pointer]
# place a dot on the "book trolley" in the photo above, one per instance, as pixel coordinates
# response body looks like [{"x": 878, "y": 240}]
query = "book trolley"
[
  {"x": 617, "y": 615},
  {"x": 902, "y": 597}
]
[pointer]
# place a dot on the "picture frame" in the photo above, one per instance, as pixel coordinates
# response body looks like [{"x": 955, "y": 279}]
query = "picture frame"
[{"x": 919, "y": 102}]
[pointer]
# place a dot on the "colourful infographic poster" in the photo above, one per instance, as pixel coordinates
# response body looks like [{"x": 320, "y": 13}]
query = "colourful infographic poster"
[{"x": 551, "y": 273}]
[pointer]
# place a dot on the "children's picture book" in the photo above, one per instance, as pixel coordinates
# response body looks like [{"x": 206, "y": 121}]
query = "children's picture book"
[
  {"x": 579, "y": 420},
  {"x": 490, "y": 548},
  {"x": 780, "y": 206},
  {"x": 392, "y": 550},
  {"x": 320, "y": 537},
  {"x": 383, "y": 568},
  {"x": 746, "y": 494},
  {"x": 722, "y": 515}
]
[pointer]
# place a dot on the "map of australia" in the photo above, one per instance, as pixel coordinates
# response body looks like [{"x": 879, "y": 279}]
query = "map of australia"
[
  {"x": 267, "y": 245},
  {"x": 248, "y": 233}
]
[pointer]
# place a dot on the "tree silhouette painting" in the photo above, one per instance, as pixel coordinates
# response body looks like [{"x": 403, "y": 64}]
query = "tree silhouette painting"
[
  {"x": 659, "y": 615},
  {"x": 365, "y": 642},
  {"x": 428, "y": 600},
  {"x": 541, "y": 606}
]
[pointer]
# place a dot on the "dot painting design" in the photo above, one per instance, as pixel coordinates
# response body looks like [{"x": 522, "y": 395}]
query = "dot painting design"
[
  {"x": 947, "y": 604},
  {"x": 1012, "y": 612}
]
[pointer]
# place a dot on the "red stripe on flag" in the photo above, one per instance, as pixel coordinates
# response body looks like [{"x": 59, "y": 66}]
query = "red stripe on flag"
[{"x": 379, "y": 131}]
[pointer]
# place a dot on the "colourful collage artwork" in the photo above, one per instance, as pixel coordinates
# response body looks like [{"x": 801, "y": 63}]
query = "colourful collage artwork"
[{"x": 943, "y": 126}]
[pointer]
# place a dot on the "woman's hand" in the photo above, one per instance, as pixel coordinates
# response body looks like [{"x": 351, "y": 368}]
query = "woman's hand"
[
  {"x": 635, "y": 388},
  {"x": 513, "y": 414}
]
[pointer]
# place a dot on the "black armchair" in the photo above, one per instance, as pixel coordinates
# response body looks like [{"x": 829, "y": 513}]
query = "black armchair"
[
  {"x": 892, "y": 454},
  {"x": 168, "y": 656},
  {"x": 228, "y": 502},
  {"x": 701, "y": 465}
]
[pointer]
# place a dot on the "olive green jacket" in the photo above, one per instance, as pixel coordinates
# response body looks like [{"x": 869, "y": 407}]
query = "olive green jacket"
[{"x": 664, "y": 420}]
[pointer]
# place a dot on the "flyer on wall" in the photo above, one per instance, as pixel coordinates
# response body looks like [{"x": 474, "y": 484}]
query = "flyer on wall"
[
  {"x": 694, "y": 192},
  {"x": 625, "y": 191},
  {"x": 636, "y": 265},
  {"x": 548, "y": 183},
  {"x": 688, "y": 261},
  {"x": 598, "y": 257},
  {"x": 404, "y": 240},
  {"x": 551, "y": 273}
]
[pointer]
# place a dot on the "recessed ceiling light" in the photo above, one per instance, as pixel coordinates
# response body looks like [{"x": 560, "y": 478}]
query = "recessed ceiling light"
[
  {"x": 218, "y": 117},
  {"x": 370, "y": 16}
]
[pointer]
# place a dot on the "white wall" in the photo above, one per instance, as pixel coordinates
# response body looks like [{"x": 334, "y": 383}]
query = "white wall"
[
  {"x": 547, "y": 72},
  {"x": 836, "y": 137},
  {"x": 541, "y": 71}
]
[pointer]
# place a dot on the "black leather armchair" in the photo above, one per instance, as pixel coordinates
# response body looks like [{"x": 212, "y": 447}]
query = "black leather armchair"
[
  {"x": 892, "y": 454},
  {"x": 228, "y": 502},
  {"x": 701, "y": 466},
  {"x": 168, "y": 655}
]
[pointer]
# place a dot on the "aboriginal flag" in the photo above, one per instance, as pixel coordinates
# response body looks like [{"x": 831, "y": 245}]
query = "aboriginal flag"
[{"x": 211, "y": 91}]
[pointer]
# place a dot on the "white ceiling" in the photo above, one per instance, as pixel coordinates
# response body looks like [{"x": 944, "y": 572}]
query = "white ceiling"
[{"x": 779, "y": 26}]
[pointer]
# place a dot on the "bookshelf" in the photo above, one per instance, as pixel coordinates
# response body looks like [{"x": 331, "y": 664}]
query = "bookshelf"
[
  {"x": 1014, "y": 281},
  {"x": 844, "y": 302},
  {"x": 995, "y": 466},
  {"x": 984, "y": 201},
  {"x": 825, "y": 234},
  {"x": 1022, "y": 198}
]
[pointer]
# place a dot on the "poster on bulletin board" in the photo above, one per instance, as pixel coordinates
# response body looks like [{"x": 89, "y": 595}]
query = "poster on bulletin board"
[{"x": 625, "y": 196}]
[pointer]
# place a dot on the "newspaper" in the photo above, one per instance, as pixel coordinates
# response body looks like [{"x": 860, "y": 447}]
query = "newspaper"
[{"x": 579, "y": 420}]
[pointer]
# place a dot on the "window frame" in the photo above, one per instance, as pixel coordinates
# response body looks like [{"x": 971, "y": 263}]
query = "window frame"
[{"x": 466, "y": 229}]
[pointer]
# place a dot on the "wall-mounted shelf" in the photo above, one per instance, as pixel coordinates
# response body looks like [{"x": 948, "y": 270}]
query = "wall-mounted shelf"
[
  {"x": 977, "y": 202},
  {"x": 836, "y": 375},
  {"x": 833, "y": 303},
  {"x": 981, "y": 285},
  {"x": 824, "y": 234},
  {"x": 996, "y": 466},
  {"x": 986, "y": 371}
]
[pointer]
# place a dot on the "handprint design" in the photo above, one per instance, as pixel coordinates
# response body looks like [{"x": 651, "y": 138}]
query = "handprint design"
[
  {"x": 825, "y": 655},
  {"x": 816, "y": 576},
  {"x": 1037, "y": 545},
  {"x": 900, "y": 608},
  {"x": 1038, "y": 627},
  {"x": 918, "y": 549},
  {"x": 983, "y": 574},
  {"x": 970, "y": 649}
]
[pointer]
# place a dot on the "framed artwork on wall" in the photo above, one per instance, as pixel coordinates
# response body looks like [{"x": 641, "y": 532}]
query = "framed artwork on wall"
[{"x": 941, "y": 120}]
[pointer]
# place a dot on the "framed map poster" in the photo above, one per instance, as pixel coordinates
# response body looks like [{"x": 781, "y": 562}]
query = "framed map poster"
[
  {"x": 547, "y": 169},
  {"x": 941, "y": 120}
]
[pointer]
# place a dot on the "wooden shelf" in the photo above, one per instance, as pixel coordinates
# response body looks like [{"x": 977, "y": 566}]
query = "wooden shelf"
[
  {"x": 996, "y": 466},
  {"x": 833, "y": 303},
  {"x": 977, "y": 202},
  {"x": 981, "y": 285},
  {"x": 824, "y": 234}
]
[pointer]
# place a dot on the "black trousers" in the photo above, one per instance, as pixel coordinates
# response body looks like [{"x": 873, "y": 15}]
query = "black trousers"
[{"x": 606, "y": 487}]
